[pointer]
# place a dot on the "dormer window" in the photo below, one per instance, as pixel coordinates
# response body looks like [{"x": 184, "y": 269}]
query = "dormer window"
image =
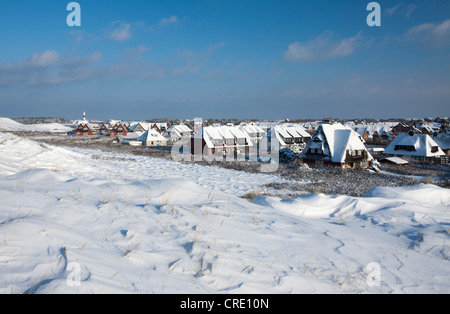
[{"x": 409, "y": 148}]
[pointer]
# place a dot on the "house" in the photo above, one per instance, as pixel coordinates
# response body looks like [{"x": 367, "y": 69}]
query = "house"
[
  {"x": 221, "y": 141},
  {"x": 400, "y": 128},
  {"x": 160, "y": 127},
  {"x": 362, "y": 131},
  {"x": 255, "y": 132},
  {"x": 139, "y": 127},
  {"x": 104, "y": 129},
  {"x": 414, "y": 130},
  {"x": 293, "y": 136},
  {"x": 419, "y": 147},
  {"x": 374, "y": 132},
  {"x": 426, "y": 129},
  {"x": 443, "y": 140},
  {"x": 84, "y": 129},
  {"x": 177, "y": 132},
  {"x": 336, "y": 145},
  {"x": 120, "y": 129},
  {"x": 152, "y": 138}
]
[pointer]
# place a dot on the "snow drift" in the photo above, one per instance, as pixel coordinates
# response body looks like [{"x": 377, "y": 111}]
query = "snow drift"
[
  {"x": 143, "y": 225},
  {"x": 9, "y": 125}
]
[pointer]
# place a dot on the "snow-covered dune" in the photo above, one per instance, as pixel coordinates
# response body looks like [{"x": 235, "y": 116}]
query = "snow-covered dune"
[
  {"x": 70, "y": 223},
  {"x": 9, "y": 125}
]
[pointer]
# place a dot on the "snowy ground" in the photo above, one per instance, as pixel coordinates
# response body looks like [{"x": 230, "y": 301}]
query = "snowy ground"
[{"x": 134, "y": 224}]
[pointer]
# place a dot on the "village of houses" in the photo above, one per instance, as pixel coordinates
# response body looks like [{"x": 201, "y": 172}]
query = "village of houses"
[{"x": 353, "y": 144}]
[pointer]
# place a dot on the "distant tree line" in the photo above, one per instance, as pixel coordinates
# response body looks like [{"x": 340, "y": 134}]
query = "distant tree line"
[{"x": 41, "y": 120}]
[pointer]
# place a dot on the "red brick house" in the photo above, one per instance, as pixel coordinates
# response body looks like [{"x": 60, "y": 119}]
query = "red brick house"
[{"x": 84, "y": 129}]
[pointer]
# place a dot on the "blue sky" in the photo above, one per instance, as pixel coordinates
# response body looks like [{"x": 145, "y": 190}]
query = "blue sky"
[{"x": 133, "y": 59}]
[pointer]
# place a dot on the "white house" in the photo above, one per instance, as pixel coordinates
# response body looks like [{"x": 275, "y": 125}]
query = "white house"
[
  {"x": 254, "y": 132},
  {"x": 414, "y": 146},
  {"x": 221, "y": 140},
  {"x": 151, "y": 137},
  {"x": 293, "y": 136},
  {"x": 337, "y": 145},
  {"x": 177, "y": 132}
]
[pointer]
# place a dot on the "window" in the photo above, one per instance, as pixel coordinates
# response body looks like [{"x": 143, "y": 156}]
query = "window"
[
  {"x": 434, "y": 149},
  {"x": 409, "y": 148},
  {"x": 316, "y": 151}
]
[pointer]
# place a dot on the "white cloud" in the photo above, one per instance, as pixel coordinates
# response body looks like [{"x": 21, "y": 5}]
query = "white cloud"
[
  {"x": 430, "y": 34},
  {"x": 391, "y": 11},
  {"x": 136, "y": 51},
  {"x": 46, "y": 68},
  {"x": 169, "y": 20},
  {"x": 322, "y": 47},
  {"x": 38, "y": 60},
  {"x": 44, "y": 59},
  {"x": 402, "y": 9},
  {"x": 121, "y": 32}
]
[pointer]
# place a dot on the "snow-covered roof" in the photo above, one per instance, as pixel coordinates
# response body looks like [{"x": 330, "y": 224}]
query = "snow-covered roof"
[
  {"x": 421, "y": 145},
  {"x": 221, "y": 133},
  {"x": 335, "y": 140},
  {"x": 225, "y": 132},
  {"x": 396, "y": 160},
  {"x": 299, "y": 131},
  {"x": 292, "y": 131},
  {"x": 238, "y": 133},
  {"x": 178, "y": 130},
  {"x": 84, "y": 124},
  {"x": 181, "y": 128},
  {"x": 283, "y": 132},
  {"x": 151, "y": 135},
  {"x": 252, "y": 129},
  {"x": 376, "y": 149},
  {"x": 443, "y": 140},
  {"x": 145, "y": 126}
]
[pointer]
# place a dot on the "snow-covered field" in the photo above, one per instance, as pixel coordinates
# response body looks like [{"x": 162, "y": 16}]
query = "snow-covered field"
[{"x": 79, "y": 221}]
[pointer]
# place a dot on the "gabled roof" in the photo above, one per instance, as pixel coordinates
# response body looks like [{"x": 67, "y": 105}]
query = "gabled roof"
[
  {"x": 145, "y": 126},
  {"x": 283, "y": 132},
  {"x": 181, "y": 128},
  {"x": 220, "y": 133},
  {"x": 422, "y": 144},
  {"x": 83, "y": 125},
  {"x": 298, "y": 131},
  {"x": 335, "y": 140},
  {"x": 151, "y": 135},
  {"x": 251, "y": 128},
  {"x": 178, "y": 130}
]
